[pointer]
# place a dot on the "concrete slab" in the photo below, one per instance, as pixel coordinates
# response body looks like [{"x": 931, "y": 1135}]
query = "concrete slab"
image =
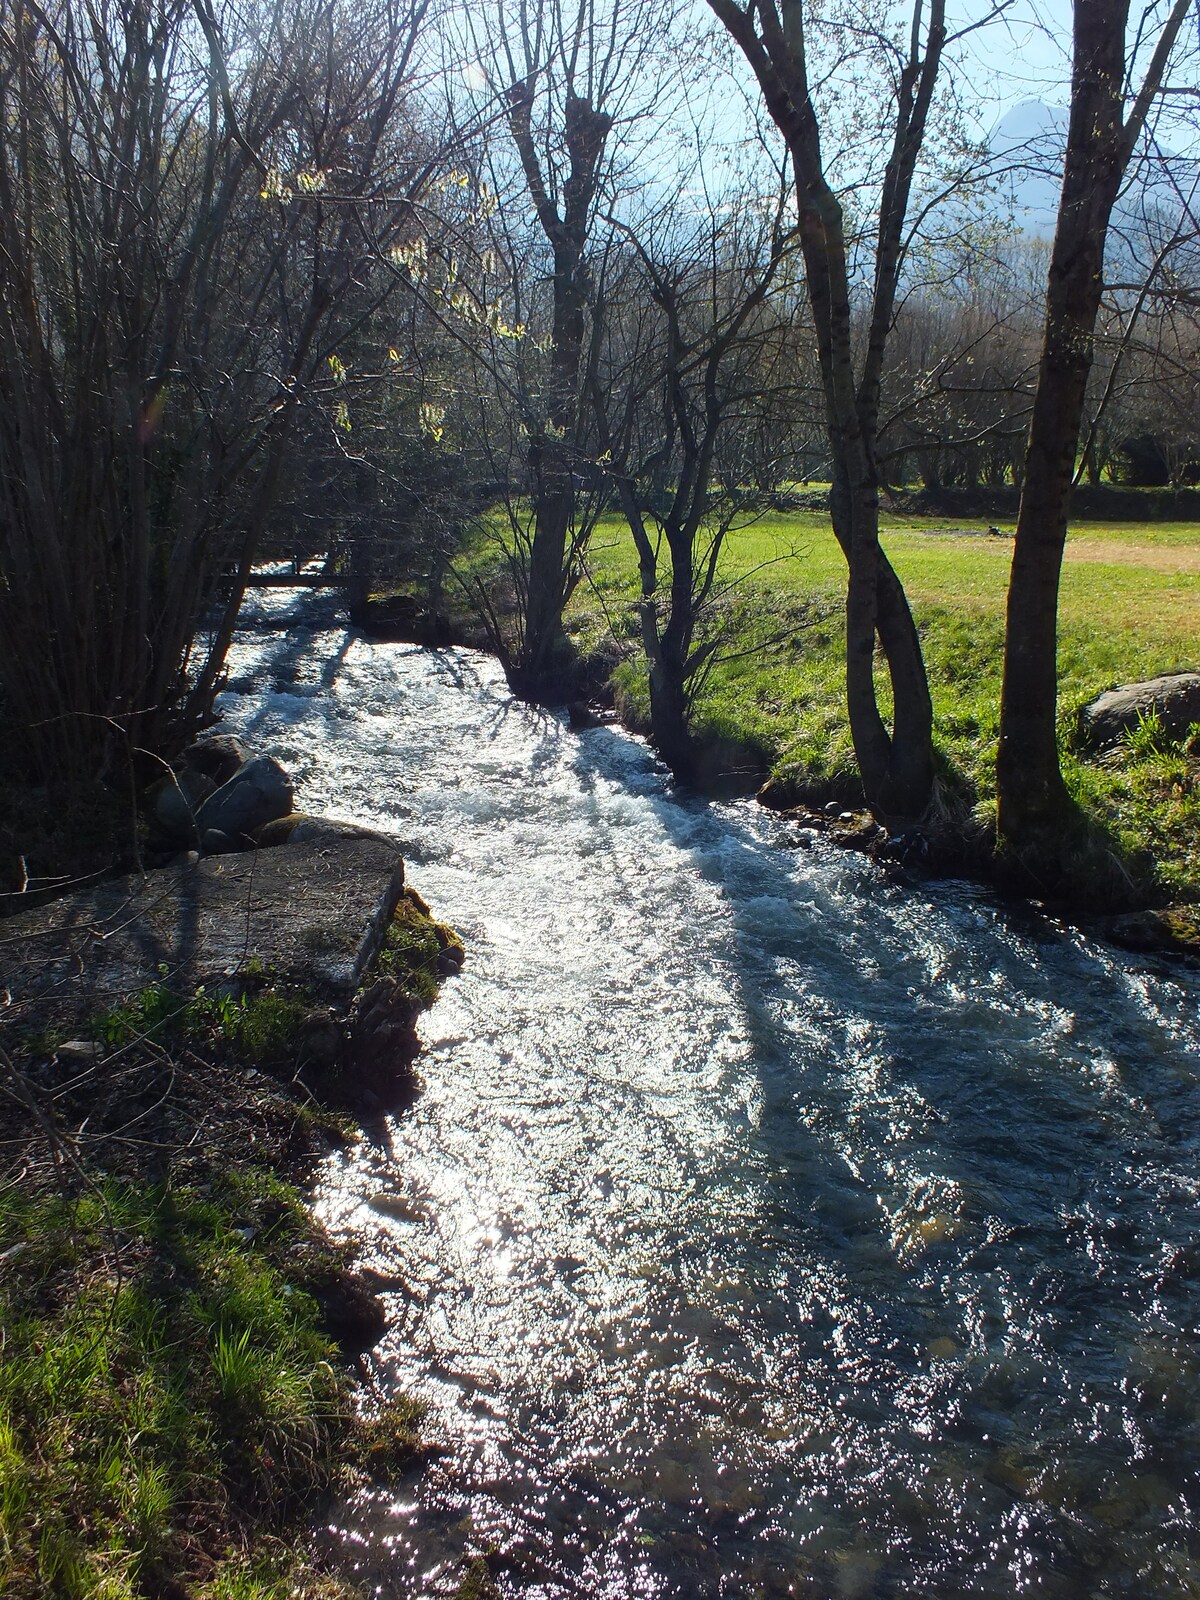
[{"x": 312, "y": 912}]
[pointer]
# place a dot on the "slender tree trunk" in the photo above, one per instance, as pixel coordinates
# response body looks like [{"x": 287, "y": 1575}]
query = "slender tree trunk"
[
  {"x": 1030, "y": 790},
  {"x": 670, "y": 700},
  {"x": 896, "y": 765},
  {"x": 543, "y": 646},
  {"x": 537, "y": 670},
  {"x": 910, "y": 773},
  {"x": 1031, "y": 795}
]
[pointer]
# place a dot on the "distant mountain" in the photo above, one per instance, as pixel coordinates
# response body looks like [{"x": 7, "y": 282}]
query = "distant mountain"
[{"x": 1027, "y": 147}]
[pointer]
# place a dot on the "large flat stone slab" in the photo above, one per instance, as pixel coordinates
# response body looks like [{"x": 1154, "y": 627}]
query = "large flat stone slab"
[{"x": 312, "y": 912}]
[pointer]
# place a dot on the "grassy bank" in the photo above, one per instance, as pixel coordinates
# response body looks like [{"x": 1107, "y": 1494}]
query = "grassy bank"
[
  {"x": 168, "y": 1401},
  {"x": 1130, "y": 610},
  {"x": 175, "y": 1399}
]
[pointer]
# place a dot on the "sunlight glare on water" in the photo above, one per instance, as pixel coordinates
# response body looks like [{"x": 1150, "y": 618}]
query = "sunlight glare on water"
[{"x": 764, "y": 1226}]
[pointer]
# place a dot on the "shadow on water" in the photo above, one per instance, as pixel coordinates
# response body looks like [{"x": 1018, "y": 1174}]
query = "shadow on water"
[
  {"x": 986, "y": 1166},
  {"x": 872, "y": 1272},
  {"x": 287, "y": 666}
]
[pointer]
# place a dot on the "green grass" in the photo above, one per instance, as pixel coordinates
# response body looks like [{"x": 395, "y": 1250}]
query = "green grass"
[
  {"x": 258, "y": 1027},
  {"x": 1121, "y": 619},
  {"x": 171, "y": 1408},
  {"x": 164, "y": 1389}
]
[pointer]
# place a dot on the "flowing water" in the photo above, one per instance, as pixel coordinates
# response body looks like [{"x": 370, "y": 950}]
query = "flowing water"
[{"x": 764, "y": 1226}]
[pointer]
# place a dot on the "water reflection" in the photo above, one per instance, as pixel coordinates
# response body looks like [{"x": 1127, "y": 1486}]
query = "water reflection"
[{"x": 766, "y": 1228}]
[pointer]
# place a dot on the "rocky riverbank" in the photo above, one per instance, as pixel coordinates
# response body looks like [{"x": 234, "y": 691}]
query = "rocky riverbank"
[{"x": 176, "y": 1048}]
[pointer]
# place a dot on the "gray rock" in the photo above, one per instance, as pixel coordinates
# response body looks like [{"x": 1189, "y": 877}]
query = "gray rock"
[
  {"x": 258, "y": 792},
  {"x": 300, "y": 828},
  {"x": 1175, "y": 697},
  {"x": 215, "y": 843},
  {"x": 204, "y": 921},
  {"x": 174, "y": 802},
  {"x": 218, "y": 757},
  {"x": 79, "y": 1052}
]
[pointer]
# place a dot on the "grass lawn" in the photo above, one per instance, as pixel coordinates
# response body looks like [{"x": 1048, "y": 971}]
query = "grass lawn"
[{"x": 1130, "y": 609}]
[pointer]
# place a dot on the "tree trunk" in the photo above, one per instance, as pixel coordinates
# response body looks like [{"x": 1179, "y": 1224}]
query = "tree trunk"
[
  {"x": 537, "y": 669},
  {"x": 1030, "y": 792},
  {"x": 669, "y": 732},
  {"x": 896, "y": 767},
  {"x": 537, "y": 672}
]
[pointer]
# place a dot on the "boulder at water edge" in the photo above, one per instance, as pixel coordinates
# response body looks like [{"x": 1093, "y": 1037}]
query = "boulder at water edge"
[
  {"x": 301, "y": 828},
  {"x": 1175, "y": 698},
  {"x": 218, "y": 757},
  {"x": 173, "y": 804},
  {"x": 258, "y": 793}
]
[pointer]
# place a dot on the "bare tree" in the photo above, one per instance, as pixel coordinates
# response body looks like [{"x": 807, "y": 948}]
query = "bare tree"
[
  {"x": 189, "y": 200},
  {"x": 573, "y": 76},
  {"x": 692, "y": 395},
  {"x": 958, "y": 382},
  {"x": 778, "y": 41}
]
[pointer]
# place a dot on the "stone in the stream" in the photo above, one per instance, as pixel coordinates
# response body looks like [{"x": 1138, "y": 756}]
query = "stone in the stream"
[
  {"x": 1175, "y": 698},
  {"x": 257, "y": 793},
  {"x": 300, "y": 828},
  {"x": 858, "y": 830}
]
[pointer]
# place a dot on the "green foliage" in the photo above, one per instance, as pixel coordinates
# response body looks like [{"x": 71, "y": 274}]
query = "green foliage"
[
  {"x": 1148, "y": 737},
  {"x": 256, "y": 1027},
  {"x": 149, "y": 1015},
  {"x": 259, "y": 1027}
]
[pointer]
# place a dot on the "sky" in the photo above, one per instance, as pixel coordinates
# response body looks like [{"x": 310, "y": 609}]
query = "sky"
[{"x": 1025, "y": 55}]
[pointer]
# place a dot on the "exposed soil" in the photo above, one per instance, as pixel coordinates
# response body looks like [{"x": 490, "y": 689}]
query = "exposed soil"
[{"x": 1154, "y": 557}]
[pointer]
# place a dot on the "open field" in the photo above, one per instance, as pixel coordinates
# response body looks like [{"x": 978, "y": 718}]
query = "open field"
[{"x": 1130, "y": 609}]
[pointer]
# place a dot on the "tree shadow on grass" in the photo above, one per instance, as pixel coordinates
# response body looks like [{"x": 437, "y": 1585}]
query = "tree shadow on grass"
[{"x": 1082, "y": 864}]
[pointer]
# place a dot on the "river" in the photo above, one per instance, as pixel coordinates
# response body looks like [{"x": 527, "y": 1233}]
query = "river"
[{"x": 765, "y": 1226}]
